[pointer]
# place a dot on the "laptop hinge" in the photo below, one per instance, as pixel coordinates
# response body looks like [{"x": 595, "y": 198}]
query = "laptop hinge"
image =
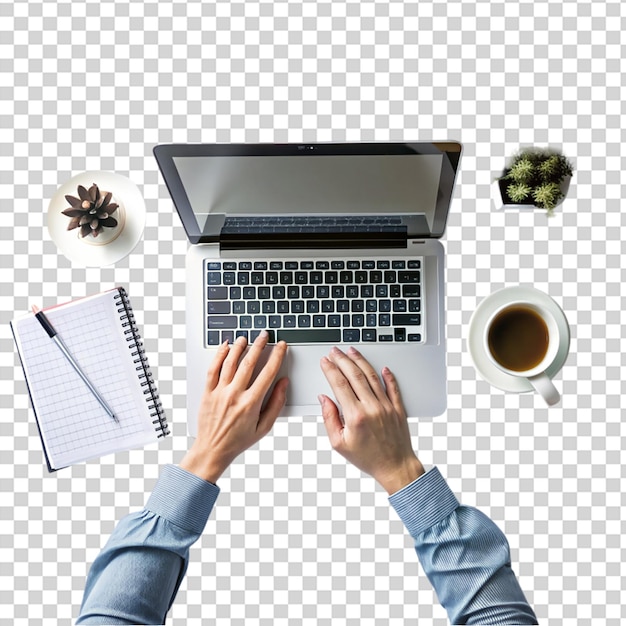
[{"x": 313, "y": 241}]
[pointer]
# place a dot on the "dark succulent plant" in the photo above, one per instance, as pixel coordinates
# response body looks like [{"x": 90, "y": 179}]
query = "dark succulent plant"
[
  {"x": 91, "y": 211},
  {"x": 535, "y": 175}
]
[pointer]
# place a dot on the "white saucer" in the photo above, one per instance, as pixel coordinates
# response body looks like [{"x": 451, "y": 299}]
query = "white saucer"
[
  {"x": 108, "y": 248},
  {"x": 494, "y": 375}
]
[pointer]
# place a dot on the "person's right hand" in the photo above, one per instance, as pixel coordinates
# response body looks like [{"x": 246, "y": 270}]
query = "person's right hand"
[{"x": 374, "y": 434}]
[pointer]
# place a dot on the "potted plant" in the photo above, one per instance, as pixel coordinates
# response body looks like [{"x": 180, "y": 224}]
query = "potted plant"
[{"x": 537, "y": 177}]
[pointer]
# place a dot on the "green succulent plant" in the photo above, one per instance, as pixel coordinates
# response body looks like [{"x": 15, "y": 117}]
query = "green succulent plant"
[{"x": 535, "y": 175}]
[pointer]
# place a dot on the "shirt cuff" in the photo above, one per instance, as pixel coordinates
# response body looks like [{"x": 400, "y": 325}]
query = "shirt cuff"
[
  {"x": 183, "y": 498},
  {"x": 425, "y": 502}
]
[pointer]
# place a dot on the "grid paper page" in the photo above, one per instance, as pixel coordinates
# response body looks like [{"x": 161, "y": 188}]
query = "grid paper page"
[{"x": 73, "y": 424}]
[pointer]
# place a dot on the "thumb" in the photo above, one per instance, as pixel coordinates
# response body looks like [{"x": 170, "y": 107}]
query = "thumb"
[{"x": 332, "y": 421}]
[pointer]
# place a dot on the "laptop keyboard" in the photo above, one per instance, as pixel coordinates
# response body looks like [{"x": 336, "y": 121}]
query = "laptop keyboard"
[{"x": 314, "y": 301}]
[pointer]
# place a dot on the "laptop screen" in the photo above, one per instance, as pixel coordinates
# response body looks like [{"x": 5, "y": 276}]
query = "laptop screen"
[{"x": 299, "y": 189}]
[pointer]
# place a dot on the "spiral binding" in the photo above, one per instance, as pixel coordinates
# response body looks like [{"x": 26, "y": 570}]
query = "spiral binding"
[{"x": 140, "y": 360}]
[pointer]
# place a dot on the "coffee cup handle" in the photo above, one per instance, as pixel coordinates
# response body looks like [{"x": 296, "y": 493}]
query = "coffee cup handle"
[{"x": 545, "y": 388}]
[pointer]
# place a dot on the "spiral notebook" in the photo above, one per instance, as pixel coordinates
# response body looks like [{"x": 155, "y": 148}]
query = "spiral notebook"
[{"x": 101, "y": 334}]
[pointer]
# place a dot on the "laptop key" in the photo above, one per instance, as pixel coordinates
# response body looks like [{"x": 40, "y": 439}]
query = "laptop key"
[
  {"x": 319, "y": 321},
  {"x": 399, "y": 334},
  {"x": 260, "y": 321},
  {"x": 254, "y": 306},
  {"x": 260, "y": 265},
  {"x": 213, "y": 338},
  {"x": 309, "y": 335},
  {"x": 368, "y": 265},
  {"x": 276, "y": 265},
  {"x": 245, "y": 265},
  {"x": 219, "y": 307},
  {"x": 414, "y": 337},
  {"x": 312, "y": 306},
  {"x": 229, "y": 265},
  {"x": 345, "y": 278},
  {"x": 245, "y": 321},
  {"x": 328, "y": 306},
  {"x": 227, "y": 335},
  {"x": 414, "y": 265},
  {"x": 399, "y": 306},
  {"x": 293, "y": 292},
  {"x": 398, "y": 265},
  {"x": 235, "y": 293},
  {"x": 286, "y": 278},
  {"x": 218, "y": 293},
  {"x": 351, "y": 335},
  {"x": 414, "y": 306},
  {"x": 410, "y": 291},
  {"x": 408, "y": 277},
  {"x": 214, "y": 265},
  {"x": 408, "y": 319},
  {"x": 274, "y": 321},
  {"x": 239, "y": 307},
  {"x": 368, "y": 334},
  {"x": 353, "y": 265},
  {"x": 297, "y": 306},
  {"x": 291, "y": 265},
  {"x": 331, "y": 278},
  {"x": 241, "y": 333},
  {"x": 243, "y": 278},
  {"x": 229, "y": 278},
  {"x": 223, "y": 321},
  {"x": 337, "y": 265},
  {"x": 278, "y": 293},
  {"x": 214, "y": 278},
  {"x": 282, "y": 306},
  {"x": 304, "y": 321},
  {"x": 385, "y": 338},
  {"x": 308, "y": 291},
  {"x": 334, "y": 320},
  {"x": 268, "y": 306},
  {"x": 289, "y": 321},
  {"x": 370, "y": 319},
  {"x": 249, "y": 293}
]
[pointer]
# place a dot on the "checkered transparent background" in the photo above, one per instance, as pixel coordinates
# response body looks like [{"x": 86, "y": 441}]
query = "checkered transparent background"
[{"x": 298, "y": 536}]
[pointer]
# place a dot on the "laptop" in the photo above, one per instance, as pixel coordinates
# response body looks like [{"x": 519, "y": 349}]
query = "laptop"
[{"x": 319, "y": 244}]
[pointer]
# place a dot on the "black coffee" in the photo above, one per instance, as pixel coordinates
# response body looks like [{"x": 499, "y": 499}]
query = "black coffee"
[{"x": 518, "y": 338}]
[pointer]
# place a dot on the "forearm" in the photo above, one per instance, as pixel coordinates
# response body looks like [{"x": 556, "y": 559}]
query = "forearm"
[
  {"x": 137, "y": 575},
  {"x": 463, "y": 553}
]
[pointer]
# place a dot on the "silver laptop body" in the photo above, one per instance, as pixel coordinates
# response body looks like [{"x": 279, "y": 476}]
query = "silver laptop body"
[{"x": 370, "y": 207}]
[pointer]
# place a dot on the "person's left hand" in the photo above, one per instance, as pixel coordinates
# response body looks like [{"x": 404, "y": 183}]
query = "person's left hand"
[{"x": 231, "y": 416}]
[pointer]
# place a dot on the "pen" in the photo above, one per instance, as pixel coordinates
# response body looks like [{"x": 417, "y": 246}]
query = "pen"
[{"x": 43, "y": 320}]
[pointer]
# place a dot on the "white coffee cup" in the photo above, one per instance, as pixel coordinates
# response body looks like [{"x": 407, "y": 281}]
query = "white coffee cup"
[{"x": 522, "y": 339}]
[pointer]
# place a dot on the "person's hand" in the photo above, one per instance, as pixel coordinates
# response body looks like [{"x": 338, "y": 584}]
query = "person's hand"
[
  {"x": 231, "y": 418},
  {"x": 374, "y": 433}
]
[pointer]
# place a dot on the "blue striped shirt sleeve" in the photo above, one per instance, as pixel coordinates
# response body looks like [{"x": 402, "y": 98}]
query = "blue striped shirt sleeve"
[
  {"x": 464, "y": 554},
  {"x": 135, "y": 578}
]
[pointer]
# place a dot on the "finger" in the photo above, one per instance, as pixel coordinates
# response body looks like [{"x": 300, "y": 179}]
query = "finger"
[
  {"x": 268, "y": 372},
  {"x": 370, "y": 373},
  {"x": 332, "y": 421},
  {"x": 339, "y": 384},
  {"x": 232, "y": 360},
  {"x": 273, "y": 406},
  {"x": 243, "y": 374},
  {"x": 215, "y": 367},
  {"x": 393, "y": 391},
  {"x": 354, "y": 375}
]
